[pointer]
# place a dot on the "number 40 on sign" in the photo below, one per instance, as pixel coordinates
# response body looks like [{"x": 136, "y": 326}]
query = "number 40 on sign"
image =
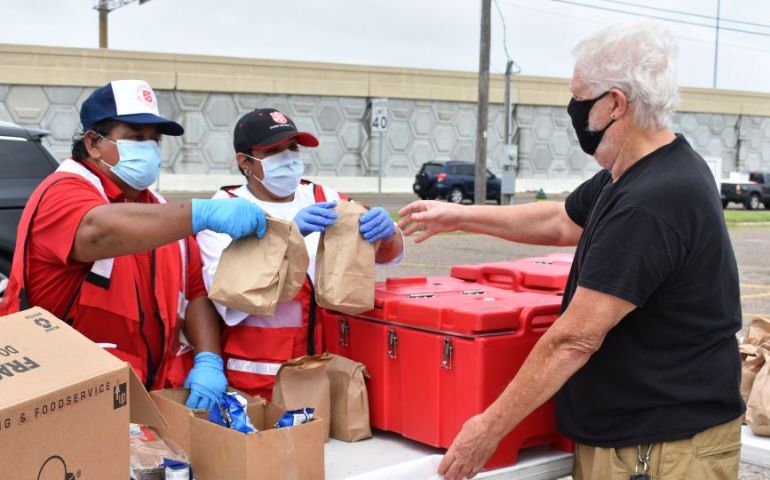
[{"x": 380, "y": 119}]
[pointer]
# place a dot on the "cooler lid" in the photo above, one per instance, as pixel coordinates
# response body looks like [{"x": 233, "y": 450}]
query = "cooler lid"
[
  {"x": 466, "y": 272},
  {"x": 546, "y": 273},
  {"x": 549, "y": 272},
  {"x": 492, "y": 310},
  {"x": 420, "y": 287}
]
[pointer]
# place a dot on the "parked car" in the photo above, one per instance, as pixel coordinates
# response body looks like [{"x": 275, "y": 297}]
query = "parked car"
[
  {"x": 24, "y": 163},
  {"x": 751, "y": 194},
  {"x": 425, "y": 180},
  {"x": 452, "y": 180}
]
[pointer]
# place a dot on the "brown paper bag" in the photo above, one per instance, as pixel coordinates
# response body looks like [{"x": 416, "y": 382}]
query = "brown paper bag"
[
  {"x": 294, "y": 266},
  {"x": 349, "y": 400},
  {"x": 303, "y": 382},
  {"x": 344, "y": 271},
  {"x": 758, "y": 404},
  {"x": 751, "y": 362},
  {"x": 758, "y": 334},
  {"x": 254, "y": 274}
]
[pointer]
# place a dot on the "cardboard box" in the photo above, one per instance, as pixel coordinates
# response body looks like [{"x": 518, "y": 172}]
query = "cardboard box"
[
  {"x": 269, "y": 454},
  {"x": 65, "y": 404},
  {"x": 170, "y": 403},
  {"x": 217, "y": 453}
]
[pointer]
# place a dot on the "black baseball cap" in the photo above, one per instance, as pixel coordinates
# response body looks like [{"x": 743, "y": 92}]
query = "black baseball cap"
[{"x": 265, "y": 128}]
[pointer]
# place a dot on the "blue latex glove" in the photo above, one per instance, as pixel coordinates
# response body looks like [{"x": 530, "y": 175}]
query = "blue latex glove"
[
  {"x": 315, "y": 218},
  {"x": 376, "y": 224},
  {"x": 236, "y": 217},
  {"x": 206, "y": 381}
]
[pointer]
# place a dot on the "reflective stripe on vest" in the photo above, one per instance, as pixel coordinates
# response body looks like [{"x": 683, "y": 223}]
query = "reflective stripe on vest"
[{"x": 259, "y": 368}]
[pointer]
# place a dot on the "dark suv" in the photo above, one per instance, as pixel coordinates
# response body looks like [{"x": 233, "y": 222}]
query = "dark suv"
[
  {"x": 24, "y": 163},
  {"x": 425, "y": 180},
  {"x": 452, "y": 180}
]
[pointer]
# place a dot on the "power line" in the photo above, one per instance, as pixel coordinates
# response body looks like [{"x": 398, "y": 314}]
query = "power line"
[
  {"x": 505, "y": 39},
  {"x": 598, "y": 22},
  {"x": 505, "y": 32},
  {"x": 656, "y": 17},
  {"x": 690, "y": 14},
  {"x": 659, "y": 9},
  {"x": 626, "y": 12}
]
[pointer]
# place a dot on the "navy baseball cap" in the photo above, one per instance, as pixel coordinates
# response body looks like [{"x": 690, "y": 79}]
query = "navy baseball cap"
[
  {"x": 265, "y": 128},
  {"x": 128, "y": 101}
]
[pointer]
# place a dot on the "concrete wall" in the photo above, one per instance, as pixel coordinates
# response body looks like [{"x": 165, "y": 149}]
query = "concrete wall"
[{"x": 433, "y": 114}]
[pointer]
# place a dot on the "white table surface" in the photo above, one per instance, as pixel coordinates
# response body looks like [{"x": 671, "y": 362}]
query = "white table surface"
[
  {"x": 385, "y": 449},
  {"x": 755, "y": 449}
]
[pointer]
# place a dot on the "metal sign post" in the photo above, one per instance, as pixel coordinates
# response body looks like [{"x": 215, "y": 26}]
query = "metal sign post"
[{"x": 379, "y": 126}]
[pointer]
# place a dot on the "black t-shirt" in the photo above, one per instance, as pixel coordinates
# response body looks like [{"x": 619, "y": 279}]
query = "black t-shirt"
[{"x": 671, "y": 367}]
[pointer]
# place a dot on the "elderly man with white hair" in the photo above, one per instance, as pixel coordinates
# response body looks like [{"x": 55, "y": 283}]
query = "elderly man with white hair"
[{"x": 643, "y": 360}]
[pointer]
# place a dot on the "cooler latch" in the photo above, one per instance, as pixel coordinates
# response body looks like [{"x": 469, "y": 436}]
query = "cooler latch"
[
  {"x": 420, "y": 295},
  {"x": 344, "y": 332},
  {"x": 392, "y": 343},
  {"x": 474, "y": 292},
  {"x": 446, "y": 359}
]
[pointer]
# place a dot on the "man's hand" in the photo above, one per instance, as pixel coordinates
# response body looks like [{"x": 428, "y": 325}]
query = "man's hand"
[
  {"x": 470, "y": 450},
  {"x": 430, "y": 217},
  {"x": 315, "y": 218},
  {"x": 236, "y": 217},
  {"x": 206, "y": 381}
]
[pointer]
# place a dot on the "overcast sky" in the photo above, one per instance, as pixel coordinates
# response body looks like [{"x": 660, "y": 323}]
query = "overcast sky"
[{"x": 442, "y": 34}]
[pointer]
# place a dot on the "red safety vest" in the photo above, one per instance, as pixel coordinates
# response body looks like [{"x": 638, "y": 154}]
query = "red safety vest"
[
  {"x": 106, "y": 306},
  {"x": 253, "y": 354}
]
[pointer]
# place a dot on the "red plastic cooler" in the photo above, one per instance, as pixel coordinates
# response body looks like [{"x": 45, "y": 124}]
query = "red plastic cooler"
[
  {"x": 436, "y": 358},
  {"x": 535, "y": 274}
]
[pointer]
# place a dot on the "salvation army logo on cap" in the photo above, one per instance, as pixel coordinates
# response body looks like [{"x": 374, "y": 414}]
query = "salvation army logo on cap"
[
  {"x": 134, "y": 96},
  {"x": 145, "y": 94},
  {"x": 278, "y": 117}
]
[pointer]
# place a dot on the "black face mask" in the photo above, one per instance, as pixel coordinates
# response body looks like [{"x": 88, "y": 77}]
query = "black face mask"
[{"x": 578, "y": 111}]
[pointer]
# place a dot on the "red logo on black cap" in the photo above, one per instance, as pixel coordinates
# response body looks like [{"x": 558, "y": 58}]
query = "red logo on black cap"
[{"x": 278, "y": 117}]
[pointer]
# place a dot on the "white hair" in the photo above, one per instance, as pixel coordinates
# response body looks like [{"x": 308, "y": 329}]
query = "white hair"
[{"x": 638, "y": 58}]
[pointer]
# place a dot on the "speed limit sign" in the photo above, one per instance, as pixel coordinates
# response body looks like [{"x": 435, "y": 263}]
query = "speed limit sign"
[{"x": 380, "y": 119}]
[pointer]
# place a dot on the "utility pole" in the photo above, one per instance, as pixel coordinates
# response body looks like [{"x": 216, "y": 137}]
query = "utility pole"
[
  {"x": 508, "y": 119},
  {"x": 716, "y": 46},
  {"x": 104, "y": 7},
  {"x": 480, "y": 183},
  {"x": 103, "y": 25}
]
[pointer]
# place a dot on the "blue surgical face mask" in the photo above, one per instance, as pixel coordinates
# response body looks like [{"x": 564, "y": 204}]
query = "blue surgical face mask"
[
  {"x": 282, "y": 172},
  {"x": 138, "y": 162}
]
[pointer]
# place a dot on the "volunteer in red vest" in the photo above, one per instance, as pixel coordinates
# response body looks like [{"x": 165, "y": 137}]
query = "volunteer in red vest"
[
  {"x": 267, "y": 151},
  {"x": 99, "y": 250}
]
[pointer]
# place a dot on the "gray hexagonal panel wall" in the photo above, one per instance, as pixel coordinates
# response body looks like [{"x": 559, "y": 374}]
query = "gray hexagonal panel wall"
[{"x": 420, "y": 131}]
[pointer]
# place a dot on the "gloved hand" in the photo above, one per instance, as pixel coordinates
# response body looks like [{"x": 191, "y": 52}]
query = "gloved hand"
[
  {"x": 236, "y": 217},
  {"x": 206, "y": 381},
  {"x": 376, "y": 224},
  {"x": 315, "y": 218}
]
